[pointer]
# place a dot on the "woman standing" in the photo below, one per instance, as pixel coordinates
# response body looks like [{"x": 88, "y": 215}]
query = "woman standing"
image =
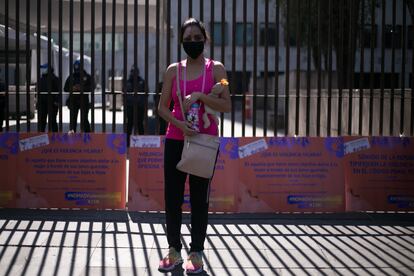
[{"x": 197, "y": 75}]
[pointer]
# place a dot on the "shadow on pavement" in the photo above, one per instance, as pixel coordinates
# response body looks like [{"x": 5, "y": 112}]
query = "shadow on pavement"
[
  {"x": 346, "y": 218},
  {"x": 118, "y": 242}
]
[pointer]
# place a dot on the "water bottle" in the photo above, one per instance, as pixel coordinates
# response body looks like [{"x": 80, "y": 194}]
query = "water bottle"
[{"x": 192, "y": 116}]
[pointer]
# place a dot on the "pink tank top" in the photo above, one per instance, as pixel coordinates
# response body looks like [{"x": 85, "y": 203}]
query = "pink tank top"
[{"x": 174, "y": 132}]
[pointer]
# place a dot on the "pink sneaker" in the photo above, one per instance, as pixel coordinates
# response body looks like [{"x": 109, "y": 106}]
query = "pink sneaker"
[
  {"x": 194, "y": 263},
  {"x": 170, "y": 261}
]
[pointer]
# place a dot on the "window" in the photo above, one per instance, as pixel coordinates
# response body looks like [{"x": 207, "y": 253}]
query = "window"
[
  {"x": 87, "y": 41},
  {"x": 239, "y": 34},
  {"x": 393, "y": 35},
  {"x": 217, "y": 39},
  {"x": 409, "y": 37},
  {"x": 369, "y": 34},
  {"x": 269, "y": 34}
]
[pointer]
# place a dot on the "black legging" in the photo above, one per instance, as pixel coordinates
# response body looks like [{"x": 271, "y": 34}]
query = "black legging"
[
  {"x": 174, "y": 194},
  {"x": 44, "y": 113},
  {"x": 75, "y": 105},
  {"x": 130, "y": 119}
]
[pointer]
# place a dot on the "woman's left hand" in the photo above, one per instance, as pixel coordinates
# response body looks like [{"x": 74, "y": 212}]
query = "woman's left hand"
[{"x": 190, "y": 99}]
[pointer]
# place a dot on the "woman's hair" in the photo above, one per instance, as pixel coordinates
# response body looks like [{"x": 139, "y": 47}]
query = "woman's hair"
[{"x": 193, "y": 22}]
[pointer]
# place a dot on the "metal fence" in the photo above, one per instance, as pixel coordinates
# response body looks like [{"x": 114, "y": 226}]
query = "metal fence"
[{"x": 309, "y": 68}]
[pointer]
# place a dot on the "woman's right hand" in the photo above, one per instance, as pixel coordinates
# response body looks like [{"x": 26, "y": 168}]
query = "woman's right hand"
[{"x": 186, "y": 128}]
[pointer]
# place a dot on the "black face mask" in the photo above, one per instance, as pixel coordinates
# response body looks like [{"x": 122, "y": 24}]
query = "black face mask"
[{"x": 193, "y": 48}]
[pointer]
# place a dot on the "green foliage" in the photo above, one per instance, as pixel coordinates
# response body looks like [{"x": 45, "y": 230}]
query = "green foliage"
[{"x": 331, "y": 17}]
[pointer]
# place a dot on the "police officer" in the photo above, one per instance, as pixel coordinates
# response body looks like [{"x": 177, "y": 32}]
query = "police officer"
[
  {"x": 48, "y": 82},
  {"x": 76, "y": 101},
  {"x": 135, "y": 101}
]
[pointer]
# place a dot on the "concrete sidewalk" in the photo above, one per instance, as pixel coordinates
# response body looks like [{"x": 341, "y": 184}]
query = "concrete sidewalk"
[{"x": 63, "y": 242}]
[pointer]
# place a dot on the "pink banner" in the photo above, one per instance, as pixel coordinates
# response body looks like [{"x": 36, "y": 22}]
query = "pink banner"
[
  {"x": 9, "y": 148},
  {"x": 146, "y": 177},
  {"x": 71, "y": 171},
  {"x": 252, "y": 175},
  {"x": 274, "y": 174},
  {"x": 379, "y": 173},
  {"x": 289, "y": 175}
]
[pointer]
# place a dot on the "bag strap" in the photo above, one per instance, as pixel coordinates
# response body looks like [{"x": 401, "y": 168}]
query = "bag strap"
[{"x": 177, "y": 80}]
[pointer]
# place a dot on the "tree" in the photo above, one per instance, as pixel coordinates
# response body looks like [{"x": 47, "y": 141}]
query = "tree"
[
  {"x": 343, "y": 16},
  {"x": 410, "y": 5}
]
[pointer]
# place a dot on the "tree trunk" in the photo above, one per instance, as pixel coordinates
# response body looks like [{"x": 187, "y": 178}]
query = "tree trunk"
[
  {"x": 410, "y": 5},
  {"x": 345, "y": 42}
]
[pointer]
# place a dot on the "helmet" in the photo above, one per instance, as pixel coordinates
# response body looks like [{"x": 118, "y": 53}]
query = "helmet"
[
  {"x": 43, "y": 68},
  {"x": 134, "y": 69},
  {"x": 76, "y": 65}
]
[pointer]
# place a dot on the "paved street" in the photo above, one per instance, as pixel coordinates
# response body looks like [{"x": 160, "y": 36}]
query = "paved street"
[{"x": 59, "y": 242}]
